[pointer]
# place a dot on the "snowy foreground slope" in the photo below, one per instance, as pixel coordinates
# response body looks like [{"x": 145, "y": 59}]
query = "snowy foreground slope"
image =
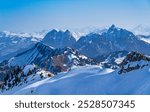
[{"x": 88, "y": 80}]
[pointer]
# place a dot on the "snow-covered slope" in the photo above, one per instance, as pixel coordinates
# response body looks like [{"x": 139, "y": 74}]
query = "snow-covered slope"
[
  {"x": 144, "y": 38},
  {"x": 18, "y": 76},
  {"x": 90, "y": 80},
  {"x": 131, "y": 77},
  {"x": 77, "y": 35}
]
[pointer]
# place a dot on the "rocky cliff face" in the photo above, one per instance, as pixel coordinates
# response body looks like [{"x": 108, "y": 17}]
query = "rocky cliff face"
[
  {"x": 59, "y": 39},
  {"x": 134, "y": 61}
]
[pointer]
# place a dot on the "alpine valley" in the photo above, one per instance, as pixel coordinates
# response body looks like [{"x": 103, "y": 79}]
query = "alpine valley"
[{"x": 105, "y": 61}]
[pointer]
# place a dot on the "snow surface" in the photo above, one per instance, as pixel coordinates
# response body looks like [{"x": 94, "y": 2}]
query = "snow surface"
[
  {"x": 28, "y": 68},
  {"x": 141, "y": 30},
  {"x": 119, "y": 60},
  {"x": 89, "y": 80},
  {"x": 146, "y": 40}
]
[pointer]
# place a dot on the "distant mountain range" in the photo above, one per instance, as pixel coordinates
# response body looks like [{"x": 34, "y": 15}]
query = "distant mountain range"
[
  {"x": 141, "y": 30},
  {"x": 99, "y": 41},
  {"x": 13, "y": 43},
  {"x": 115, "y": 39}
]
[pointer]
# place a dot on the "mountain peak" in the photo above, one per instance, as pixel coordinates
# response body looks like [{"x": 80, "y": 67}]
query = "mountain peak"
[
  {"x": 112, "y": 26},
  {"x": 67, "y": 31},
  {"x": 54, "y": 31},
  {"x": 59, "y": 39}
]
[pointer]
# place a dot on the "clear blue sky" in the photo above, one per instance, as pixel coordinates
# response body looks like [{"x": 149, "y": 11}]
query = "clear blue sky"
[{"x": 35, "y": 15}]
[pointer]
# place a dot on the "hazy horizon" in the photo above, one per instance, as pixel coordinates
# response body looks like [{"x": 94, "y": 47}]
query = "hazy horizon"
[{"x": 36, "y": 15}]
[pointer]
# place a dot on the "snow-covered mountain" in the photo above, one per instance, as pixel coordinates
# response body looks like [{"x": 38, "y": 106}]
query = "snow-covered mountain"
[
  {"x": 13, "y": 43},
  {"x": 114, "y": 39},
  {"x": 36, "y": 35},
  {"x": 50, "y": 59},
  {"x": 131, "y": 77},
  {"x": 39, "y": 58},
  {"x": 77, "y": 33},
  {"x": 141, "y": 30},
  {"x": 59, "y": 39},
  {"x": 111, "y": 61}
]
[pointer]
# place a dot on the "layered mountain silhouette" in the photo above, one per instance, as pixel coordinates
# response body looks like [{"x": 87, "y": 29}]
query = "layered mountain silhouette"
[
  {"x": 50, "y": 59},
  {"x": 11, "y": 43},
  {"x": 115, "y": 49},
  {"x": 115, "y": 39}
]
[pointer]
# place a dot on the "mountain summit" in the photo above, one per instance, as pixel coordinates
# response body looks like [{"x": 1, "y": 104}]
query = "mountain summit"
[{"x": 59, "y": 39}]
